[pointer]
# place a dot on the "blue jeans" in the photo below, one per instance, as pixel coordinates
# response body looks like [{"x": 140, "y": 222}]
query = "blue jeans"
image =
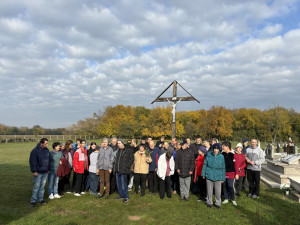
[
  {"x": 38, "y": 190},
  {"x": 52, "y": 183},
  {"x": 122, "y": 185},
  {"x": 88, "y": 183},
  {"x": 94, "y": 182}
]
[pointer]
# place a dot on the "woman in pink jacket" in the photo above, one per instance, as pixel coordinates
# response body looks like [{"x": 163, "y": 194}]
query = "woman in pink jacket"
[{"x": 240, "y": 164}]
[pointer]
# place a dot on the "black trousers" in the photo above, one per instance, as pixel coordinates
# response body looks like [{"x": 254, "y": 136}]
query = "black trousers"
[
  {"x": 239, "y": 185},
  {"x": 254, "y": 181},
  {"x": 64, "y": 183},
  {"x": 152, "y": 181},
  {"x": 175, "y": 181},
  {"x": 84, "y": 179},
  {"x": 113, "y": 183},
  {"x": 165, "y": 186},
  {"x": 245, "y": 183},
  {"x": 140, "y": 179},
  {"x": 202, "y": 186},
  {"x": 79, "y": 181},
  {"x": 74, "y": 180}
]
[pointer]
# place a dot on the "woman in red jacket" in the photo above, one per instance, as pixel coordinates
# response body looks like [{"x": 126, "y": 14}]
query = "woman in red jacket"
[
  {"x": 198, "y": 170},
  {"x": 80, "y": 164},
  {"x": 240, "y": 164}
]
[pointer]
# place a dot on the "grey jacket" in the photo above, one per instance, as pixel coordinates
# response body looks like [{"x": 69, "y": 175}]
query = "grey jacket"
[
  {"x": 257, "y": 155},
  {"x": 105, "y": 159}
]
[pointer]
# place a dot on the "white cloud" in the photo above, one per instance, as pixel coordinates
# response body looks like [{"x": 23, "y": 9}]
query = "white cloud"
[{"x": 60, "y": 61}]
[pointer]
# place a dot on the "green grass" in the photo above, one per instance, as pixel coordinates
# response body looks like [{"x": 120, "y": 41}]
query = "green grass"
[{"x": 16, "y": 185}]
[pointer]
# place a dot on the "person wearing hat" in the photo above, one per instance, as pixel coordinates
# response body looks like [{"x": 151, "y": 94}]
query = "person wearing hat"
[
  {"x": 123, "y": 162},
  {"x": 198, "y": 179},
  {"x": 184, "y": 165},
  {"x": 214, "y": 172},
  {"x": 239, "y": 164},
  {"x": 165, "y": 168},
  {"x": 244, "y": 150}
]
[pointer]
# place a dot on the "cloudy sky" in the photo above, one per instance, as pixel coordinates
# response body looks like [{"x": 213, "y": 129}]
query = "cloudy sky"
[{"x": 60, "y": 61}]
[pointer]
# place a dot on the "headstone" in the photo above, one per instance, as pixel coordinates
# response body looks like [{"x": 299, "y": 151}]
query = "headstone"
[
  {"x": 278, "y": 148},
  {"x": 291, "y": 159},
  {"x": 270, "y": 151}
]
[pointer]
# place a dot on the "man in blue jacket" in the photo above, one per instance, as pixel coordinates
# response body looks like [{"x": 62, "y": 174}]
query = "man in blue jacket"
[{"x": 40, "y": 166}]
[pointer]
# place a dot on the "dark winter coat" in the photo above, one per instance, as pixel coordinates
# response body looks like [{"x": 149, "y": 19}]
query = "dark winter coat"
[
  {"x": 155, "y": 153},
  {"x": 39, "y": 160},
  {"x": 185, "y": 162},
  {"x": 195, "y": 148},
  {"x": 124, "y": 161}
]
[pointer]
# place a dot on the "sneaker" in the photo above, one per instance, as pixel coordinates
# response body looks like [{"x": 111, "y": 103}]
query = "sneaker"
[
  {"x": 99, "y": 196},
  {"x": 209, "y": 206},
  {"x": 218, "y": 207},
  {"x": 125, "y": 200},
  {"x": 186, "y": 199},
  {"x": 33, "y": 204},
  {"x": 77, "y": 194},
  {"x": 199, "y": 200},
  {"x": 174, "y": 192},
  {"x": 43, "y": 202},
  {"x": 234, "y": 203},
  {"x": 82, "y": 193},
  {"x": 129, "y": 189},
  {"x": 254, "y": 196},
  {"x": 181, "y": 198},
  {"x": 225, "y": 201},
  {"x": 118, "y": 198},
  {"x": 155, "y": 193},
  {"x": 238, "y": 194},
  {"x": 107, "y": 197},
  {"x": 249, "y": 195},
  {"x": 69, "y": 192},
  {"x": 51, "y": 196},
  {"x": 57, "y": 196}
]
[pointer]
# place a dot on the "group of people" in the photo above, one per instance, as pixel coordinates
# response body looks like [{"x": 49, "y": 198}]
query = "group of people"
[{"x": 210, "y": 167}]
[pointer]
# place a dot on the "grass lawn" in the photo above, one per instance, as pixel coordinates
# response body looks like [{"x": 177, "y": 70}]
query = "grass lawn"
[{"x": 16, "y": 185}]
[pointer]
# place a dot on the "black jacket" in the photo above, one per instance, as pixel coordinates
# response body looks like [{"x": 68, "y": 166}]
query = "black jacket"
[
  {"x": 229, "y": 161},
  {"x": 194, "y": 148},
  {"x": 185, "y": 162},
  {"x": 124, "y": 160}
]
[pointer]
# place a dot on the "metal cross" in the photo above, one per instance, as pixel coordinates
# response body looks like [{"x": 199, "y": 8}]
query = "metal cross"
[{"x": 174, "y": 101}]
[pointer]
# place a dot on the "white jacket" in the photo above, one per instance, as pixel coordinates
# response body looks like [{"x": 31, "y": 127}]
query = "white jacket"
[{"x": 162, "y": 166}]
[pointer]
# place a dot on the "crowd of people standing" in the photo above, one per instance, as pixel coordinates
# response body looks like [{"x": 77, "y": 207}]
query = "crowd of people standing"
[{"x": 179, "y": 167}]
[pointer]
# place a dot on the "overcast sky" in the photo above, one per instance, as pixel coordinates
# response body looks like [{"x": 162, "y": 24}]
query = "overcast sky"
[{"x": 61, "y": 61}]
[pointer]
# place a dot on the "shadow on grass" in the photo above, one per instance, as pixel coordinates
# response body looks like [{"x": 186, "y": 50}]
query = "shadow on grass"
[
  {"x": 15, "y": 192},
  {"x": 272, "y": 208}
]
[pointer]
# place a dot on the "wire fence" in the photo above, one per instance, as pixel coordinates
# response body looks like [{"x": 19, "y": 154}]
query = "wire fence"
[{"x": 37, "y": 138}]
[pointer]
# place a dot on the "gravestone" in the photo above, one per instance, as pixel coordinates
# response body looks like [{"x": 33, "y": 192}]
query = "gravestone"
[
  {"x": 278, "y": 148},
  {"x": 291, "y": 159}
]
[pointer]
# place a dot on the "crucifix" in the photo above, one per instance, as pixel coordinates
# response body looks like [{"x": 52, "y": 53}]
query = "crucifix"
[{"x": 174, "y": 101}]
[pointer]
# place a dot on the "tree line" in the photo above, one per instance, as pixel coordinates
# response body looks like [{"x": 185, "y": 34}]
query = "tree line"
[
  {"x": 271, "y": 125},
  {"x": 35, "y": 130}
]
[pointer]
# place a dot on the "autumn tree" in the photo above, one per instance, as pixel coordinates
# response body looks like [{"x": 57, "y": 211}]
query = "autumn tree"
[{"x": 218, "y": 123}]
